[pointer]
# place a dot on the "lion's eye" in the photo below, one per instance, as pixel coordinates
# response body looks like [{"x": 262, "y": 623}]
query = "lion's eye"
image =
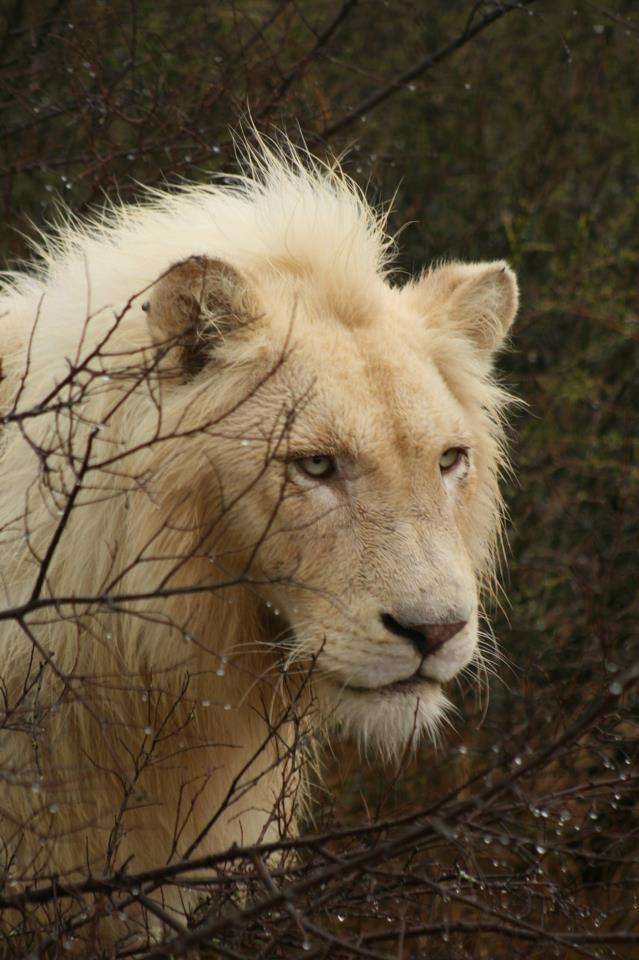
[
  {"x": 451, "y": 458},
  {"x": 318, "y": 466}
]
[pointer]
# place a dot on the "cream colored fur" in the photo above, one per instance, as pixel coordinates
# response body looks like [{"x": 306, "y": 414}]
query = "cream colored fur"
[{"x": 242, "y": 327}]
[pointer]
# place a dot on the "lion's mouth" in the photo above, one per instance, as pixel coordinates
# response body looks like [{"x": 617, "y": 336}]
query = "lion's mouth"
[{"x": 410, "y": 684}]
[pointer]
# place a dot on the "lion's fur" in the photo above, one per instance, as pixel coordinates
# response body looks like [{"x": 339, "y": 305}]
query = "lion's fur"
[{"x": 313, "y": 350}]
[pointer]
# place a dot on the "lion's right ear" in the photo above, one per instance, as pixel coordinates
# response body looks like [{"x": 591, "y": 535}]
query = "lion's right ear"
[{"x": 190, "y": 308}]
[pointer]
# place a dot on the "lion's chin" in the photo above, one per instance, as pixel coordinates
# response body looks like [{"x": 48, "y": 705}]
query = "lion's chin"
[{"x": 387, "y": 720}]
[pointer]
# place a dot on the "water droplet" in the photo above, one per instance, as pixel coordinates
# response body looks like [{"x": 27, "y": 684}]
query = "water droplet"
[
  {"x": 467, "y": 86},
  {"x": 518, "y": 761},
  {"x": 463, "y": 749},
  {"x": 306, "y": 946},
  {"x": 599, "y": 28},
  {"x": 227, "y": 706},
  {"x": 206, "y": 703},
  {"x": 341, "y": 918},
  {"x": 148, "y": 730},
  {"x": 540, "y": 849},
  {"x": 220, "y": 671}
]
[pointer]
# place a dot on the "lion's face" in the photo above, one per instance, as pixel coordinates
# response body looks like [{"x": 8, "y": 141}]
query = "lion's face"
[{"x": 362, "y": 462}]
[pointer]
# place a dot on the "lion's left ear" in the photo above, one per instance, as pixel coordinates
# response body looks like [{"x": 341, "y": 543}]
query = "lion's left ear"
[
  {"x": 191, "y": 306},
  {"x": 477, "y": 300}
]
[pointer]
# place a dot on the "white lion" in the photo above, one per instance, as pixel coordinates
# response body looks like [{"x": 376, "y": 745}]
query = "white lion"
[{"x": 248, "y": 482}]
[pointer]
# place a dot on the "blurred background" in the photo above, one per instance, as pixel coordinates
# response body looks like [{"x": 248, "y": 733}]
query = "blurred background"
[{"x": 495, "y": 129}]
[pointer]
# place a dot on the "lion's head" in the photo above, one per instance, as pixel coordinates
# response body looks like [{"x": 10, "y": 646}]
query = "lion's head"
[{"x": 355, "y": 465}]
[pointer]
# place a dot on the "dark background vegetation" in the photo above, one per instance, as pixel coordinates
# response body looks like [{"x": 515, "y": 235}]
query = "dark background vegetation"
[{"x": 521, "y": 141}]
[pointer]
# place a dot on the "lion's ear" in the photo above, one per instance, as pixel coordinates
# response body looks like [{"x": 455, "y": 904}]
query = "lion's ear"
[
  {"x": 477, "y": 300},
  {"x": 192, "y": 305}
]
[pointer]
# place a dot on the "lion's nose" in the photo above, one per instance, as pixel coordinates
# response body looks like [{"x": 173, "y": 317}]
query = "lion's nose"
[{"x": 426, "y": 637}]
